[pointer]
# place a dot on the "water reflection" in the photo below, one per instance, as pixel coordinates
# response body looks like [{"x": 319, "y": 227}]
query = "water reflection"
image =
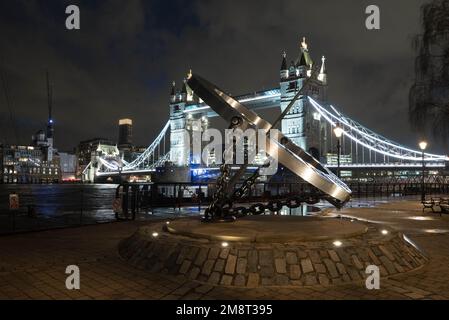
[{"x": 51, "y": 201}]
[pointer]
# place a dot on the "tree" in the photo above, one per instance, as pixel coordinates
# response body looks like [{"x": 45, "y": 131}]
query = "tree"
[{"x": 429, "y": 96}]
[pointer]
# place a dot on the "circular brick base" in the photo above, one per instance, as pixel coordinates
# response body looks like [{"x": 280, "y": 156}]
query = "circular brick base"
[{"x": 252, "y": 264}]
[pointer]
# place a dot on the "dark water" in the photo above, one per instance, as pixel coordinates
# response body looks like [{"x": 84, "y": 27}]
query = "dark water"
[
  {"x": 56, "y": 205},
  {"x": 73, "y": 205}
]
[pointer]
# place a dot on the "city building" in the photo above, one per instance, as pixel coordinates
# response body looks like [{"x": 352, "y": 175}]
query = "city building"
[
  {"x": 85, "y": 148},
  {"x": 68, "y": 164},
  {"x": 125, "y": 136},
  {"x": 103, "y": 154},
  {"x": 84, "y": 151},
  {"x": 35, "y": 163},
  {"x": 28, "y": 164},
  {"x": 125, "y": 139}
]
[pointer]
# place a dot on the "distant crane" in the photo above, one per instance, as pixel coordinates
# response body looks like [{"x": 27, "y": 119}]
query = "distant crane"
[{"x": 9, "y": 104}]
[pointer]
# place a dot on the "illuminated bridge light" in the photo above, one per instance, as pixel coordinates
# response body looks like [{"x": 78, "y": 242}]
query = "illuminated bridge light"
[{"x": 382, "y": 146}]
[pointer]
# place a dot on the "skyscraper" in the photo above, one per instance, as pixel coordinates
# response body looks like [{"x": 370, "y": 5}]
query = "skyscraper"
[{"x": 125, "y": 136}]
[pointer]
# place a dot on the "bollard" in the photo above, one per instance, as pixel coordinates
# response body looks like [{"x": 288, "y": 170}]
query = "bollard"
[{"x": 14, "y": 205}]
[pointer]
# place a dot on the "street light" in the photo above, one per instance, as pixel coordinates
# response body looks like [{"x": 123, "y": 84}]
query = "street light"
[
  {"x": 423, "y": 146},
  {"x": 338, "y": 133}
]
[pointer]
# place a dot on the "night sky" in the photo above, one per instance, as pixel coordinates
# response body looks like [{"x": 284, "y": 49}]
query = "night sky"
[{"x": 123, "y": 60}]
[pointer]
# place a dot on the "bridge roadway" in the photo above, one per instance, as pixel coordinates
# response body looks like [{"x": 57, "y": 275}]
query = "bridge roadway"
[{"x": 345, "y": 166}]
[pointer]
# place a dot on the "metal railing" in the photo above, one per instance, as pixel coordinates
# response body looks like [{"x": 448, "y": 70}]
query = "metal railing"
[
  {"x": 56, "y": 206},
  {"x": 147, "y": 198}
]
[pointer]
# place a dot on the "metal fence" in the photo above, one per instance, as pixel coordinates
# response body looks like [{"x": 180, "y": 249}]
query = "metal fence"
[
  {"x": 137, "y": 198},
  {"x": 376, "y": 190}
]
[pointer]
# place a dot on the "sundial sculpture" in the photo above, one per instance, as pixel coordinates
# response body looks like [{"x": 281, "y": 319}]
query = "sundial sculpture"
[{"x": 288, "y": 154}]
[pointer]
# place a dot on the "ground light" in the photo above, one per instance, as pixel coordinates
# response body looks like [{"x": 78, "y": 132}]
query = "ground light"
[
  {"x": 155, "y": 234},
  {"x": 225, "y": 244},
  {"x": 420, "y": 218},
  {"x": 384, "y": 232},
  {"x": 436, "y": 231},
  {"x": 337, "y": 243}
]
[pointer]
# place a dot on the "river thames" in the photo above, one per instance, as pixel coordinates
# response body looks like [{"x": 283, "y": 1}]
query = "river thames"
[
  {"x": 57, "y": 205},
  {"x": 66, "y": 205}
]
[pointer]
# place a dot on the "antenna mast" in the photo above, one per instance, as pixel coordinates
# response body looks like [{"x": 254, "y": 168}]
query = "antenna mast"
[{"x": 50, "y": 129}]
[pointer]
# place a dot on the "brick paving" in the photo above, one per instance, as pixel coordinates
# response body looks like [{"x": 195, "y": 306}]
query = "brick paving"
[{"x": 32, "y": 266}]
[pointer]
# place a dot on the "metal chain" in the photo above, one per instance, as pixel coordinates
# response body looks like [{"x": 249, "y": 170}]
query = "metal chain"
[
  {"x": 273, "y": 206},
  {"x": 246, "y": 186},
  {"x": 220, "y": 194},
  {"x": 220, "y": 197},
  {"x": 224, "y": 204}
]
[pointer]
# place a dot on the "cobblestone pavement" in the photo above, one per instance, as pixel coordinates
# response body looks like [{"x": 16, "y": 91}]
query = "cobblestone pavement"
[{"x": 32, "y": 266}]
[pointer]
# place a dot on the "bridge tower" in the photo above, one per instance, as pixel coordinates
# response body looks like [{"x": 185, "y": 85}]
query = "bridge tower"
[
  {"x": 178, "y": 139},
  {"x": 302, "y": 125},
  {"x": 183, "y": 125}
]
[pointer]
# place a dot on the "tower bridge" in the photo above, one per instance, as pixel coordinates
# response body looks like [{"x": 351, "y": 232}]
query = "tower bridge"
[{"x": 310, "y": 124}]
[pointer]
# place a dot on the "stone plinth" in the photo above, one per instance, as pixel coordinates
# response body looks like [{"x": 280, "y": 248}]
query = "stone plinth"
[{"x": 271, "y": 251}]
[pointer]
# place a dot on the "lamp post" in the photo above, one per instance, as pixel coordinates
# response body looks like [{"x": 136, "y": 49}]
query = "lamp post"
[
  {"x": 338, "y": 133},
  {"x": 423, "y": 146}
]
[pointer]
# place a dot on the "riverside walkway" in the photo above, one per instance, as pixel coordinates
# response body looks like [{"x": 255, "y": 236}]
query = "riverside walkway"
[{"x": 32, "y": 265}]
